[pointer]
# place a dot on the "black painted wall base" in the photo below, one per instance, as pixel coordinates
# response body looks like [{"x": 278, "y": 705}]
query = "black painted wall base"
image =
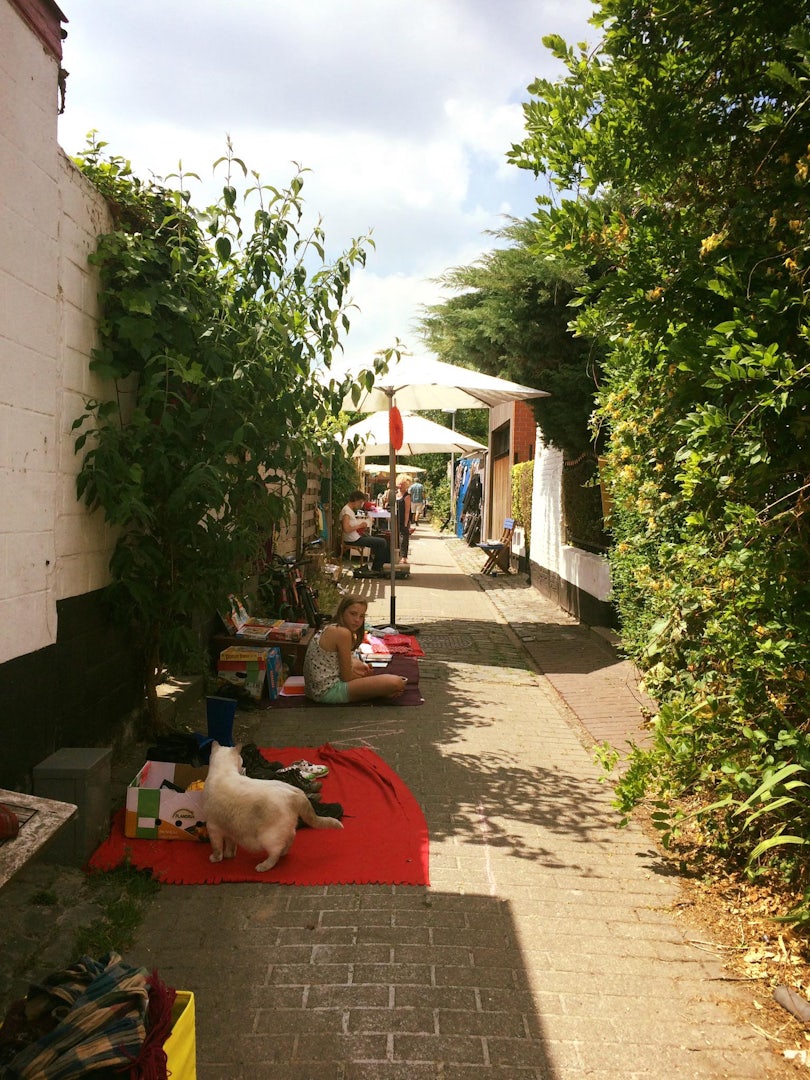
[{"x": 78, "y": 692}]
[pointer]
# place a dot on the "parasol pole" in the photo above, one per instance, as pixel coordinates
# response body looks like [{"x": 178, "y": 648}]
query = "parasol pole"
[{"x": 393, "y": 526}]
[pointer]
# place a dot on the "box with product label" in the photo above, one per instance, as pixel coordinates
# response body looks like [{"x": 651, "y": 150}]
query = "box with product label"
[
  {"x": 165, "y": 802},
  {"x": 252, "y": 668},
  {"x": 180, "y": 1047}
]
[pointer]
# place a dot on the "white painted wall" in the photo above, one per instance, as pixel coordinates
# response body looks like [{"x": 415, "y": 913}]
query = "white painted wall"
[
  {"x": 587, "y": 571},
  {"x": 50, "y": 546}
]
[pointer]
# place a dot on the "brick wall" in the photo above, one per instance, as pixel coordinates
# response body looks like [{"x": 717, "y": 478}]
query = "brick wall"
[{"x": 524, "y": 433}]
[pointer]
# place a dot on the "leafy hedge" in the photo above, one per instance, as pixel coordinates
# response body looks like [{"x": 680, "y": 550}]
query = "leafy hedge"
[
  {"x": 213, "y": 323},
  {"x": 685, "y": 136}
]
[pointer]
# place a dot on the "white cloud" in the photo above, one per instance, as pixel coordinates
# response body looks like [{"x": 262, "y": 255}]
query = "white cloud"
[{"x": 403, "y": 113}]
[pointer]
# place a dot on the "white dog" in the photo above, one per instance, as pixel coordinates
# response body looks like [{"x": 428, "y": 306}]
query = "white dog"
[{"x": 259, "y": 815}]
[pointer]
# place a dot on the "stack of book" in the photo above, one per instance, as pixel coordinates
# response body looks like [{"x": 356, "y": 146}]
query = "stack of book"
[
  {"x": 255, "y": 628},
  {"x": 287, "y": 631}
]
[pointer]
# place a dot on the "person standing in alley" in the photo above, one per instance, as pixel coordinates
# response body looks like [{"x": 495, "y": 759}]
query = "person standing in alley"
[
  {"x": 404, "y": 516},
  {"x": 417, "y": 493}
]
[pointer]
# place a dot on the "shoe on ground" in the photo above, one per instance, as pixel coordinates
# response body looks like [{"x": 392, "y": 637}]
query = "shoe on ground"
[{"x": 307, "y": 769}]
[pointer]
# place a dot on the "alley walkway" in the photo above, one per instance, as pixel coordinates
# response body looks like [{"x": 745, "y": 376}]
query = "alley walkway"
[{"x": 546, "y": 945}]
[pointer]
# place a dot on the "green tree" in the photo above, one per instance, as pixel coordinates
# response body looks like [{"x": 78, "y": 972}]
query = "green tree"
[
  {"x": 684, "y": 139},
  {"x": 508, "y": 315},
  {"x": 213, "y": 324}
]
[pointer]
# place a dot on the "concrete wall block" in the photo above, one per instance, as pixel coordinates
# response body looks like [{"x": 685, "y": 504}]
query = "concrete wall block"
[
  {"x": 30, "y": 561},
  {"x": 82, "y": 532},
  {"x": 75, "y": 378},
  {"x": 76, "y": 240},
  {"x": 28, "y": 624},
  {"x": 31, "y": 441},
  {"x": 588, "y": 571},
  {"x": 80, "y": 200},
  {"x": 29, "y": 315},
  {"x": 98, "y": 571},
  {"x": 78, "y": 332},
  {"x": 29, "y": 254},
  {"x": 29, "y": 500},
  {"x": 30, "y": 120},
  {"x": 26, "y": 189},
  {"x": 28, "y": 107},
  {"x": 72, "y": 275},
  {"x": 27, "y": 381},
  {"x": 79, "y": 574}
]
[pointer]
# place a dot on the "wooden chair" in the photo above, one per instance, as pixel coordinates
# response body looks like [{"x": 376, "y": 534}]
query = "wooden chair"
[
  {"x": 495, "y": 549},
  {"x": 363, "y": 554}
]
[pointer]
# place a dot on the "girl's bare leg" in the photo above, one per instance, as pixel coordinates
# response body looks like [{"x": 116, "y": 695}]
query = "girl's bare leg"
[{"x": 376, "y": 686}]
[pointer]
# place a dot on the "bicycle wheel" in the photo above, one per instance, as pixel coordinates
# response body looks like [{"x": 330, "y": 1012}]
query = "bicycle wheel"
[{"x": 310, "y": 605}]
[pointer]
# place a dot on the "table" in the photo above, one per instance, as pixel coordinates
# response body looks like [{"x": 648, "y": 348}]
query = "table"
[
  {"x": 292, "y": 652},
  {"x": 40, "y": 820}
]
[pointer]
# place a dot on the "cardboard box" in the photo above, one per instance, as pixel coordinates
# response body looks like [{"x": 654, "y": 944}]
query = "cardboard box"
[
  {"x": 157, "y": 813},
  {"x": 181, "y": 1045},
  {"x": 252, "y": 668},
  {"x": 275, "y": 673}
]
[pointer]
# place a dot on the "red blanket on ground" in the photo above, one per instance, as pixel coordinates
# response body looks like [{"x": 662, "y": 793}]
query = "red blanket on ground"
[{"x": 384, "y": 839}]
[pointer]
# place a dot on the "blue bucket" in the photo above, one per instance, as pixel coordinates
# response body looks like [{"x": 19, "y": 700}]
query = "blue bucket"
[{"x": 220, "y": 713}]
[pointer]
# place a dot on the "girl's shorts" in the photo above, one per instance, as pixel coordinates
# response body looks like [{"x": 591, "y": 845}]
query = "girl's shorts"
[{"x": 338, "y": 694}]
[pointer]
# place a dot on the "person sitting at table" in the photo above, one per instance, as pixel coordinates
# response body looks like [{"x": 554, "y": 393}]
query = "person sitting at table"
[
  {"x": 332, "y": 674},
  {"x": 356, "y": 532}
]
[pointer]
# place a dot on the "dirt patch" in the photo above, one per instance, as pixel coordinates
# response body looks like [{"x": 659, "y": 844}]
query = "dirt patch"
[{"x": 738, "y": 919}]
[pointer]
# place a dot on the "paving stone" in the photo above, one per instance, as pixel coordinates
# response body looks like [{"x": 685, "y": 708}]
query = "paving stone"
[{"x": 547, "y": 946}]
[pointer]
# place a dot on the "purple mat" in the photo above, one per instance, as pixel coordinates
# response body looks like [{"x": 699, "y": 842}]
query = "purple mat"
[{"x": 399, "y": 665}]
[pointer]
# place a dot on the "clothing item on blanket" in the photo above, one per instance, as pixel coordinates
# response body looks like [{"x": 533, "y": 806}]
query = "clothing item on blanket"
[
  {"x": 259, "y": 768},
  {"x": 78, "y": 1021}
]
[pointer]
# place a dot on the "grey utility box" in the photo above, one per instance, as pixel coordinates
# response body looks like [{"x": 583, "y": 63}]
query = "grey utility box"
[{"x": 78, "y": 775}]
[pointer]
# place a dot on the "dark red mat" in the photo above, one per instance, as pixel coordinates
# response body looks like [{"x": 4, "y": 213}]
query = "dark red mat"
[
  {"x": 398, "y": 665},
  {"x": 384, "y": 840}
]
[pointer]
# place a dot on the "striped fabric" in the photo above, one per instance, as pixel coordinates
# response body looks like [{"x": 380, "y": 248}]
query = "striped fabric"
[{"x": 99, "y": 1008}]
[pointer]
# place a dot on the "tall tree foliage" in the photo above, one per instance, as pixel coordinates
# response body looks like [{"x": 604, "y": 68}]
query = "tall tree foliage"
[
  {"x": 212, "y": 324},
  {"x": 508, "y": 315},
  {"x": 684, "y": 138}
]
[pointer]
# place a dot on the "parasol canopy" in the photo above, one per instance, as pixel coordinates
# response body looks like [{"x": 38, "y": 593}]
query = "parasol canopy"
[{"x": 420, "y": 436}]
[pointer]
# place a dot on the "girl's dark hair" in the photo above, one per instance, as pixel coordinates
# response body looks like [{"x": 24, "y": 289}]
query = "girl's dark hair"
[
  {"x": 346, "y": 602},
  {"x": 355, "y": 495}
]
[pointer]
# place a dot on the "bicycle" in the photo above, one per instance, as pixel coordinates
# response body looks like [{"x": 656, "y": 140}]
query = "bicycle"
[{"x": 285, "y": 592}]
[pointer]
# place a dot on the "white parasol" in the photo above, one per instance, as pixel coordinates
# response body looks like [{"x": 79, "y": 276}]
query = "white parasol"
[
  {"x": 420, "y": 436},
  {"x": 420, "y": 383}
]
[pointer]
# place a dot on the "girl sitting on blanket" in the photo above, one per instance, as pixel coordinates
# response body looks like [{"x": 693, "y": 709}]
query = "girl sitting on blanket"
[{"x": 332, "y": 674}]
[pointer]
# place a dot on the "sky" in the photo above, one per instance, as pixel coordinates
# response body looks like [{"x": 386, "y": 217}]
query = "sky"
[{"x": 402, "y": 111}]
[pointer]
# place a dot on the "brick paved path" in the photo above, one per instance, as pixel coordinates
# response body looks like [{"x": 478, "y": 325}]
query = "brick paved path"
[{"x": 546, "y": 946}]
